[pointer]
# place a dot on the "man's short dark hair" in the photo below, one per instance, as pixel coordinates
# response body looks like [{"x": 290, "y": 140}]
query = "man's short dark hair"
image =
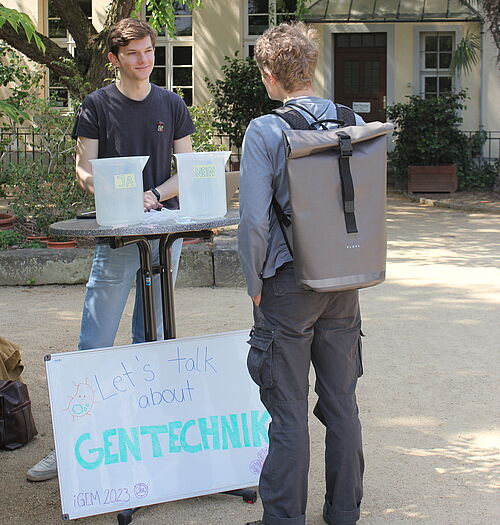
[{"x": 127, "y": 30}]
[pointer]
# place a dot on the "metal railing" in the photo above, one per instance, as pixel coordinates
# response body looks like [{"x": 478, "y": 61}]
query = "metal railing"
[
  {"x": 26, "y": 145},
  {"x": 490, "y": 150}
]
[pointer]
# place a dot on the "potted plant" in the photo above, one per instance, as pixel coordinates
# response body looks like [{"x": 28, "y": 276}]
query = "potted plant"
[{"x": 429, "y": 143}]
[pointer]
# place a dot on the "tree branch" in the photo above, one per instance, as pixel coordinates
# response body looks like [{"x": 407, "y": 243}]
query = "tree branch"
[
  {"x": 78, "y": 25},
  {"x": 51, "y": 57}
]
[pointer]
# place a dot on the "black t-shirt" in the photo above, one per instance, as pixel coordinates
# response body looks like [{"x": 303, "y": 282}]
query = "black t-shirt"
[{"x": 126, "y": 127}]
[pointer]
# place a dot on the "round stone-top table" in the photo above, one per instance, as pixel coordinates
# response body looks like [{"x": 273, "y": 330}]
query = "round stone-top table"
[{"x": 160, "y": 225}]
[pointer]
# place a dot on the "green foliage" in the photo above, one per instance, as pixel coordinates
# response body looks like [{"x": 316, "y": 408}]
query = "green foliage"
[
  {"x": 427, "y": 134},
  {"x": 45, "y": 190},
  {"x": 9, "y": 238},
  {"x": 239, "y": 97},
  {"x": 466, "y": 53},
  {"x": 203, "y": 119},
  {"x": 427, "y": 131},
  {"x": 161, "y": 14},
  {"x": 17, "y": 19},
  {"x": 22, "y": 82}
]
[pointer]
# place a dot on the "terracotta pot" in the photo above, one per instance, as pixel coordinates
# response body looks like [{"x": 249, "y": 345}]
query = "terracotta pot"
[
  {"x": 40, "y": 238},
  {"x": 58, "y": 245},
  {"x": 7, "y": 221},
  {"x": 433, "y": 179}
]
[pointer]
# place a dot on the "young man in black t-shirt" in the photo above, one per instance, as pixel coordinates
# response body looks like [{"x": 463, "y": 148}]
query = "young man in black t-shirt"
[{"x": 130, "y": 117}]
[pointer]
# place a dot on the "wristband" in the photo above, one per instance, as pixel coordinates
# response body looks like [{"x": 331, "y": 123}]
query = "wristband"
[{"x": 156, "y": 193}]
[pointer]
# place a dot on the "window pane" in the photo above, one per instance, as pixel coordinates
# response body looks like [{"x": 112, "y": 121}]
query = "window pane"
[
  {"x": 182, "y": 76},
  {"x": 290, "y": 17},
  {"x": 368, "y": 40},
  {"x": 431, "y": 60},
  {"x": 160, "y": 56},
  {"x": 251, "y": 51},
  {"x": 257, "y": 24},
  {"x": 182, "y": 56},
  {"x": 431, "y": 43},
  {"x": 342, "y": 40},
  {"x": 355, "y": 41},
  {"x": 86, "y": 6},
  {"x": 188, "y": 96},
  {"x": 289, "y": 6},
  {"x": 181, "y": 9},
  {"x": 444, "y": 85},
  {"x": 430, "y": 85},
  {"x": 380, "y": 40},
  {"x": 57, "y": 29},
  {"x": 184, "y": 26},
  {"x": 351, "y": 77},
  {"x": 158, "y": 76},
  {"x": 52, "y": 11},
  {"x": 258, "y": 6},
  {"x": 444, "y": 60},
  {"x": 372, "y": 70},
  {"x": 58, "y": 97},
  {"x": 445, "y": 43}
]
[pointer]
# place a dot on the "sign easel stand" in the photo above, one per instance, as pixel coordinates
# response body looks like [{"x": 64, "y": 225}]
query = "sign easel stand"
[{"x": 167, "y": 294}]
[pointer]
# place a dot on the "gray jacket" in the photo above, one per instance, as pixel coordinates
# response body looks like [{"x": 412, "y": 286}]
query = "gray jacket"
[{"x": 261, "y": 244}]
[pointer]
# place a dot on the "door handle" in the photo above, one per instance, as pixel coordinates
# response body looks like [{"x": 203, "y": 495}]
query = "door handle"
[{"x": 384, "y": 102}]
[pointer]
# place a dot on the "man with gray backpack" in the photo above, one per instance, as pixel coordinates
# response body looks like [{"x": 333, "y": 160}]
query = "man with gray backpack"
[{"x": 300, "y": 315}]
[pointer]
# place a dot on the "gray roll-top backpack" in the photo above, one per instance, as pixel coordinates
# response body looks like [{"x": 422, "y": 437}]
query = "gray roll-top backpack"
[{"x": 337, "y": 182}]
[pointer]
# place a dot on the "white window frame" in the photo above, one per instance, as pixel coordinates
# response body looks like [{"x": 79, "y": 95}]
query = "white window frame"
[
  {"x": 169, "y": 59},
  {"x": 434, "y": 72},
  {"x": 418, "y": 71},
  {"x": 67, "y": 43},
  {"x": 250, "y": 40},
  {"x": 169, "y": 43}
]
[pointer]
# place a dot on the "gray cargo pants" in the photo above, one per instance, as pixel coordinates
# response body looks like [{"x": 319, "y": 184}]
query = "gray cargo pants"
[{"x": 292, "y": 328}]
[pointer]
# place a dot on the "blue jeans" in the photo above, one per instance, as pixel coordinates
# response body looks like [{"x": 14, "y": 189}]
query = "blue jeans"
[{"x": 111, "y": 278}]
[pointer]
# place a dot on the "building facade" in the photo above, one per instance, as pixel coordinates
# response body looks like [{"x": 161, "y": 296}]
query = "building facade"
[{"x": 373, "y": 52}]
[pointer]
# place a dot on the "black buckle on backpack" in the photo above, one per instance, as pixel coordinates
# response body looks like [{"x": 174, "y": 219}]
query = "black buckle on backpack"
[{"x": 344, "y": 144}]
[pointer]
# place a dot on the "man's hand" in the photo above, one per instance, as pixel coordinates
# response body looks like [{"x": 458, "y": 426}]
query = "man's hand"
[
  {"x": 256, "y": 299},
  {"x": 151, "y": 202}
]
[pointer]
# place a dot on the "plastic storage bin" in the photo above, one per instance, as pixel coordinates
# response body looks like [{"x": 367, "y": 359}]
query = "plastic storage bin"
[
  {"x": 118, "y": 190},
  {"x": 202, "y": 185}
]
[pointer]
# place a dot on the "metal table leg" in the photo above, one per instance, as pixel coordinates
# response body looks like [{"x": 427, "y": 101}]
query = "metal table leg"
[
  {"x": 146, "y": 259},
  {"x": 167, "y": 285}
]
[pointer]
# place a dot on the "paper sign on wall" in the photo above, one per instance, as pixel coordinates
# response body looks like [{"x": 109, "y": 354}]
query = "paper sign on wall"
[
  {"x": 155, "y": 422},
  {"x": 362, "y": 107}
]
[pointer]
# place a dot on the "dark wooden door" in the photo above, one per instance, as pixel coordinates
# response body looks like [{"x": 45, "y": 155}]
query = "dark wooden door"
[{"x": 360, "y": 80}]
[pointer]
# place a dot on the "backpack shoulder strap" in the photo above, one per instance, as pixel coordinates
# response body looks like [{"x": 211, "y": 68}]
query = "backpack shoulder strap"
[
  {"x": 292, "y": 117},
  {"x": 346, "y": 114}
]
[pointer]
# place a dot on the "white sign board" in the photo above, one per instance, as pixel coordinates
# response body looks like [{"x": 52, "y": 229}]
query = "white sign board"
[
  {"x": 142, "y": 424},
  {"x": 362, "y": 107}
]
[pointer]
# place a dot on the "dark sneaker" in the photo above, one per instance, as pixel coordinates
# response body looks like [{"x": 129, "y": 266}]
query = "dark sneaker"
[{"x": 45, "y": 469}]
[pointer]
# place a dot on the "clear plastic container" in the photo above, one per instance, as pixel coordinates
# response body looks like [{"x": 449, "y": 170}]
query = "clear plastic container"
[
  {"x": 118, "y": 190},
  {"x": 202, "y": 185}
]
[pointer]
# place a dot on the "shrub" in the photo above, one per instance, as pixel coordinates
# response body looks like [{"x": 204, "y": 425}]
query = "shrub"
[
  {"x": 239, "y": 97},
  {"x": 9, "y": 238},
  {"x": 203, "y": 119},
  {"x": 45, "y": 190},
  {"x": 427, "y": 134}
]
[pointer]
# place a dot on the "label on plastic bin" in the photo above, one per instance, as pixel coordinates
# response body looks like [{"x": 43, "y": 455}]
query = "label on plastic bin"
[
  {"x": 125, "y": 181},
  {"x": 205, "y": 171}
]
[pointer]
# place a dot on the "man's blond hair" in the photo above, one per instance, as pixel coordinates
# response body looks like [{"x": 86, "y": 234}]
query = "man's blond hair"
[{"x": 290, "y": 53}]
